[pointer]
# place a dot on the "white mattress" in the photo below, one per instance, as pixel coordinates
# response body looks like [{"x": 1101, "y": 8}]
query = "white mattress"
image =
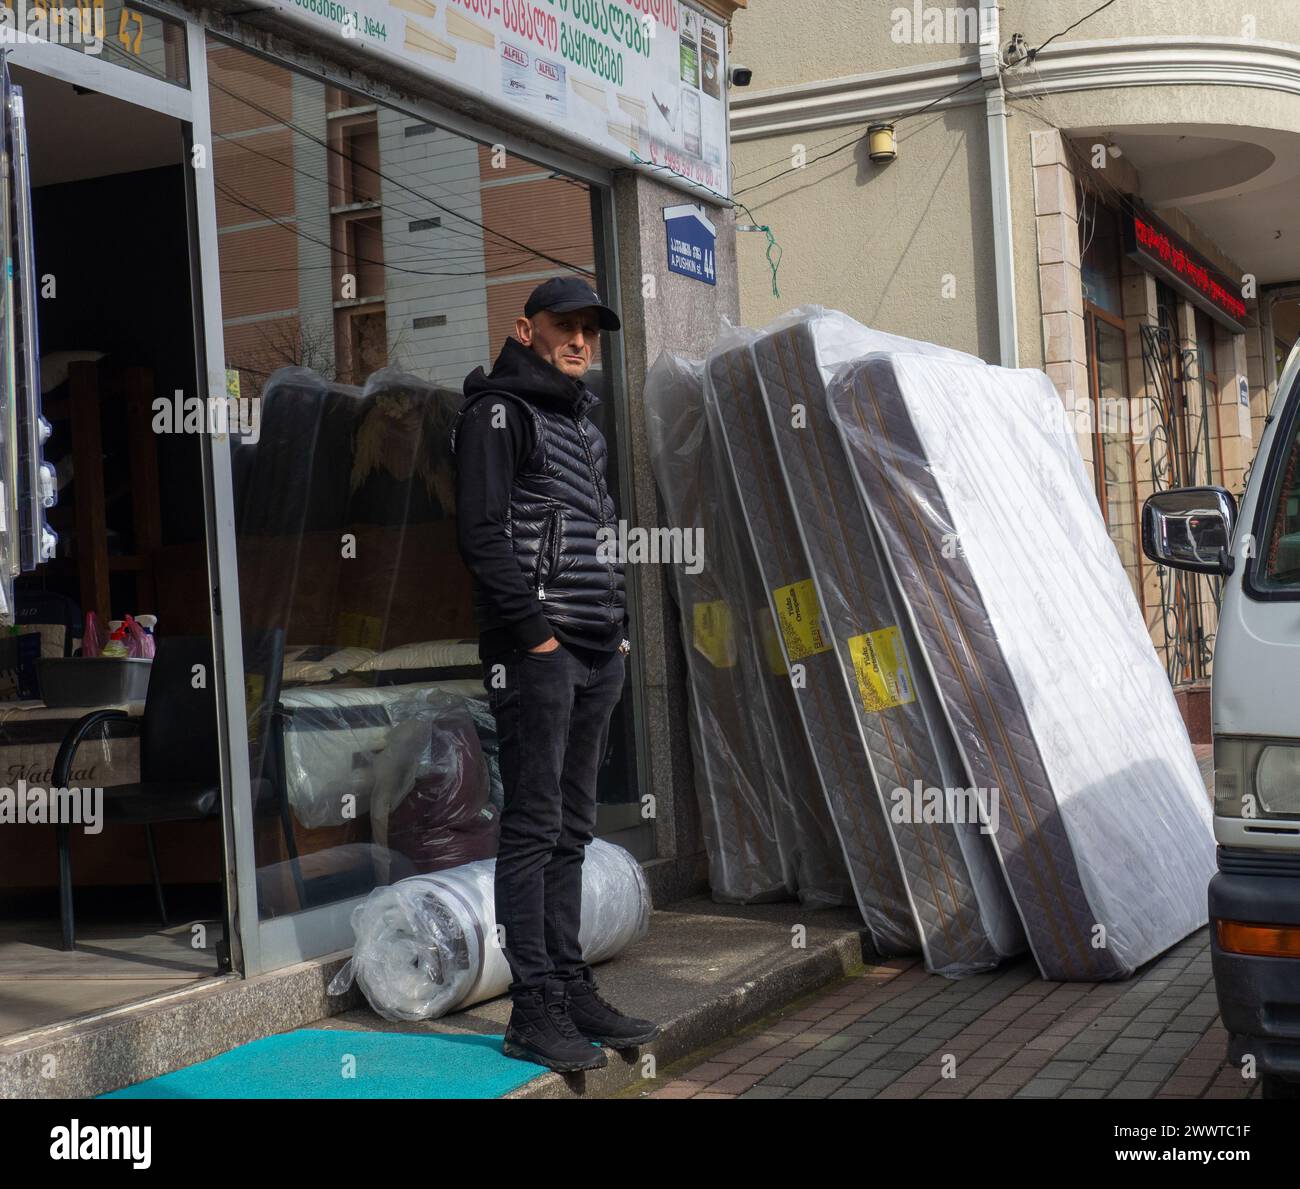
[
  {"x": 1035, "y": 641},
  {"x": 333, "y": 735}
]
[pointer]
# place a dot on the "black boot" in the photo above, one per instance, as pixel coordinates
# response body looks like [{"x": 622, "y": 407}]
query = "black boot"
[
  {"x": 540, "y": 1030},
  {"x": 602, "y": 1022}
]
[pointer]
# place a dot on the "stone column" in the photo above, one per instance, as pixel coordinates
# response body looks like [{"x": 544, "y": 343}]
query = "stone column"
[
  {"x": 665, "y": 311},
  {"x": 1060, "y": 283}
]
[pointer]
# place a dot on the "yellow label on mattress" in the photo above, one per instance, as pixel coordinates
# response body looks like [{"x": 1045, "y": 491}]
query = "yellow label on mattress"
[
  {"x": 881, "y": 669},
  {"x": 715, "y": 634},
  {"x": 771, "y": 643},
  {"x": 359, "y": 631},
  {"x": 800, "y": 619},
  {"x": 254, "y": 691}
]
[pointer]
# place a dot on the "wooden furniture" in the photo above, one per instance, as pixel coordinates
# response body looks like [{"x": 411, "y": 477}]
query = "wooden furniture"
[{"x": 97, "y": 392}]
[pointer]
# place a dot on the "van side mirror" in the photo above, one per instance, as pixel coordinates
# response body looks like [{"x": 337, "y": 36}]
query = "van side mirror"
[{"x": 1190, "y": 528}]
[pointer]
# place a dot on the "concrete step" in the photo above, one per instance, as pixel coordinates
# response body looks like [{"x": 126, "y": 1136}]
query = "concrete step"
[{"x": 703, "y": 971}]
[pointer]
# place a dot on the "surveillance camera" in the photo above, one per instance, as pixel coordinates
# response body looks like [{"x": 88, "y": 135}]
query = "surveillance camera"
[{"x": 740, "y": 76}]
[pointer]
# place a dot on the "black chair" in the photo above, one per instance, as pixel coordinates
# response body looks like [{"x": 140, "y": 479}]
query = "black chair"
[{"x": 179, "y": 750}]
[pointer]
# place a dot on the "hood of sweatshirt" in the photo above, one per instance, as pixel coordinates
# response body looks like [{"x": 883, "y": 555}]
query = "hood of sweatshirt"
[{"x": 521, "y": 372}]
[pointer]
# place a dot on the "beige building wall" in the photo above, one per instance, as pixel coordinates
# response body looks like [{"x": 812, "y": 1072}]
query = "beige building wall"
[
  {"x": 1265, "y": 20},
  {"x": 879, "y": 241},
  {"x": 906, "y": 249}
]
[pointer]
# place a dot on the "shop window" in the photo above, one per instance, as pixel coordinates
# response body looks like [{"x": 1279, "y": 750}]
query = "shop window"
[
  {"x": 1099, "y": 255},
  {"x": 116, "y": 33},
  {"x": 1113, "y": 457},
  {"x": 1210, "y": 389},
  {"x": 368, "y": 263}
]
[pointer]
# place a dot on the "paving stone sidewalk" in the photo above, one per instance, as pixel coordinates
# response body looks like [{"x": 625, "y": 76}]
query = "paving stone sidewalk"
[{"x": 894, "y": 1030}]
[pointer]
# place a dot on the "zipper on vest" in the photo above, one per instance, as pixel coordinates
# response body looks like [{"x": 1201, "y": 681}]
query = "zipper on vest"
[{"x": 544, "y": 551}]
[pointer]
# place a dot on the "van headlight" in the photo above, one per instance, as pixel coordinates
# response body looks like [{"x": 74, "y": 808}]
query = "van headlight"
[
  {"x": 1277, "y": 780},
  {"x": 1256, "y": 778}
]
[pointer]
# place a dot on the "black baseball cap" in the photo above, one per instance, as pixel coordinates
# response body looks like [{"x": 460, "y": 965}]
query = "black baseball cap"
[{"x": 563, "y": 295}]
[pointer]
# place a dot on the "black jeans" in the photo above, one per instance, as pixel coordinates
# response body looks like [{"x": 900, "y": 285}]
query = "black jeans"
[{"x": 552, "y": 712}]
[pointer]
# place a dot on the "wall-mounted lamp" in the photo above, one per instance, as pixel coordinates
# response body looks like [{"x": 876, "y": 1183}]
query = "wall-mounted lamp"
[{"x": 882, "y": 145}]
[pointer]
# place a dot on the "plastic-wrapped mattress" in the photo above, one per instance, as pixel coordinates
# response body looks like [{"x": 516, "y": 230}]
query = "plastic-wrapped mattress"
[
  {"x": 766, "y": 829},
  {"x": 940, "y": 831},
  {"x": 1034, "y": 639},
  {"x": 332, "y": 736},
  {"x": 425, "y": 945},
  {"x": 734, "y": 397}
]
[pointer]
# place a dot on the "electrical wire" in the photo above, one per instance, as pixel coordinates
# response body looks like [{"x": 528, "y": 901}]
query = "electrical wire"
[
  {"x": 897, "y": 119},
  {"x": 241, "y": 200},
  {"x": 466, "y": 253},
  {"x": 1033, "y": 53},
  {"x": 772, "y": 245},
  {"x": 856, "y": 131},
  {"x": 400, "y": 185},
  {"x": 143, "y": 67}
]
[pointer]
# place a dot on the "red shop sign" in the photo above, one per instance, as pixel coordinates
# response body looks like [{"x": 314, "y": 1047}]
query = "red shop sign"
[{"x": 1158, "y": 248}]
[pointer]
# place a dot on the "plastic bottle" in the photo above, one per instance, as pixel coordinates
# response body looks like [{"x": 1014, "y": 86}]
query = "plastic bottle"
[
  {"x": 134, "y": 637},
  {"x": 147, "y": 624},
  {"x": 116, "y": 645}
]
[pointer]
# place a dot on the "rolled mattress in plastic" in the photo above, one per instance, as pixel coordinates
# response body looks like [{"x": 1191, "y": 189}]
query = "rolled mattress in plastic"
[
  {"x": 1035, "y": 641},
  {"x": 426, "y": 945}
]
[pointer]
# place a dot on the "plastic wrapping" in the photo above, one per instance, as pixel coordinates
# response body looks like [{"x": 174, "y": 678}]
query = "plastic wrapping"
[
  {"x": 435, "y": 812},
  {"x": 402, "y": 467},
  {"x": 734, "y": 398},
  {"x": 1035, "y": 642},
  {"x": 335, "y": 740},
  {"x": 766, "y": 830},
  {"x": 425, "y": 946},
  {"x": 486, "y": 724},
  {"x": 93, "y": 638},
  {"x": 965, "y": 915}
]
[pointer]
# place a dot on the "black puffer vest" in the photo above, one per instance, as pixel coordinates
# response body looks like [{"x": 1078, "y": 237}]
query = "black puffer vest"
[{"x": 559, "y": 501}]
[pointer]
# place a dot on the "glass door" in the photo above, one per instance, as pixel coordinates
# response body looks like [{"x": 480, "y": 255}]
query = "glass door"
[{"x": 116, "y": 886}]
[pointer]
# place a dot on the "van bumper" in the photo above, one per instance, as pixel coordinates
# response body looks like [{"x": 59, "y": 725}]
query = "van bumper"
[{"x": 1259, "y": 997}]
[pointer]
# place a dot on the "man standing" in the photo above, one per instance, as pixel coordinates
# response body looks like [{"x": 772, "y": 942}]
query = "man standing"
[{"x": 531, "y": 502}]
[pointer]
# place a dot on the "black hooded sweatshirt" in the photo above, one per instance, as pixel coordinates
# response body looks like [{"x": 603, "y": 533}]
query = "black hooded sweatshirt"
[{"x": 487, "y": 461}]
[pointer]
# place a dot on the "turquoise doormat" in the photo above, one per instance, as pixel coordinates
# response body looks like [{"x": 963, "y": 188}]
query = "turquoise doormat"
[{"x": 316, "y": 1063}]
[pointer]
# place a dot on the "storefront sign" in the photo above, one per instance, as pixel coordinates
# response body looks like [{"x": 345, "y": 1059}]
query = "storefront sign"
[
  {"x": 692, "y": 240},
  {"x": 1161, "y": 250},
  {"x": 638, "y": 79}
]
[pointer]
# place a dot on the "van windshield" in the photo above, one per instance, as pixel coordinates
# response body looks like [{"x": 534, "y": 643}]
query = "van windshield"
[{"x": 1281, "y": 558}]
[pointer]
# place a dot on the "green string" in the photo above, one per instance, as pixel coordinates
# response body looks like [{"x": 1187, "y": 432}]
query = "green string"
[{"x": 772, "y": 244}]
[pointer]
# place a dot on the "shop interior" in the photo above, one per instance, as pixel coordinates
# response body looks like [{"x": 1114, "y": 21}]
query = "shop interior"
[{"x": 116, "y": 329}]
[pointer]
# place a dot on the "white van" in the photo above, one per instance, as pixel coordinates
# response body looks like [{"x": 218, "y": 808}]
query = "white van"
[{"x": 1255, "y": 897}]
